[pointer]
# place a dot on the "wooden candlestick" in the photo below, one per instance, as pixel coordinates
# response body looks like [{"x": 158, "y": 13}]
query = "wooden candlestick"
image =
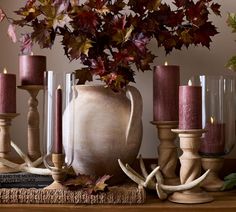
[
  {"x": 190, "y": 167},
  {"x": 167, "y": 151},
  {"x": 33, "y": 121},
  {"x": 5, "y": 139},
  {"x": 58, "y": 173},
  {"x": 212, "y": 182}
]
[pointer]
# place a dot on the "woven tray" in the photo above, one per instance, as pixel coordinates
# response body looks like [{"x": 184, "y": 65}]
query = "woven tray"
[{"x": 124, "y": 194}]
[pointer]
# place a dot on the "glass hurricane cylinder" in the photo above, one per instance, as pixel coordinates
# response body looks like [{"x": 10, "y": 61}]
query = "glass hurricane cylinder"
[
  {"x": 58, "y": 124},
  {"x": 218, "y": 120},
  {"x": 218, "y": 115}
]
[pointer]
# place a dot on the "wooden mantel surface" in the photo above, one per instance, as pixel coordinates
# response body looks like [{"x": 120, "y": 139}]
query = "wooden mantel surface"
[{"x": 223, "y": 201}]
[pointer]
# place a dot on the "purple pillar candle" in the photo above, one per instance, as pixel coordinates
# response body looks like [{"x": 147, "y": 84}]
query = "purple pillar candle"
[
  {"x": 190, "y": 107},
  {"x": 7, "y": 92},
  {"x": 214, "y": 139},
  {"x": 166, "y": 80},
  {"x": 58, "y": 122},
  {"x": 31, "y": 68}
]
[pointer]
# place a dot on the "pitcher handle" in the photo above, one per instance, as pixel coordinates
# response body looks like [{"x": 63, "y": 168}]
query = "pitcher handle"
[{"x": 135, "y": 111}]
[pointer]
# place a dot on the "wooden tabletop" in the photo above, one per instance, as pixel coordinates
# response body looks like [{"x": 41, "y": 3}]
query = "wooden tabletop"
[{"x": 224, "y": 201}]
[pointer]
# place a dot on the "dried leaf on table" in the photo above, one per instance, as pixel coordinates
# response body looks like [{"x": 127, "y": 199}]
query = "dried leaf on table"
[{"x": 88, "y": 183}]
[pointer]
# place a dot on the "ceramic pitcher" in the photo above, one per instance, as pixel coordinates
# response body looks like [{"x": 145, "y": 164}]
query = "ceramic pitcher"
[{"x": 108, "y": 126}]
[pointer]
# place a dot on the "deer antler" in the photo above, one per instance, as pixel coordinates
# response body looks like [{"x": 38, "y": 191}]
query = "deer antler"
[
  {"x": 148, "y": 182},
  {"x": 28, "y": 165}
]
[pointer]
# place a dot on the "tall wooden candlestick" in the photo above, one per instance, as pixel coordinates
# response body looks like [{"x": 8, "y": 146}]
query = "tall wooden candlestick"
[
  {"x": 190, "y": 167},
  {"x": 5, "y": 139},
  {"x": 166, "y": 79},
  {"x": 33, "y": 121},
  {"x": 167, "y": 151},
  {"x": 190, "y": 132}
]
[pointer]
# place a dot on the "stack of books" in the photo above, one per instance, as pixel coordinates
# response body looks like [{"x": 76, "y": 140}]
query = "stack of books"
[{"x": 24, "y": 180}]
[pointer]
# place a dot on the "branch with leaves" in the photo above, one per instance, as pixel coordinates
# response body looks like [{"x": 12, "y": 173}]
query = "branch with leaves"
[
  {"x": 110, "y": 38},
  {"x": 231, "y": 21}
]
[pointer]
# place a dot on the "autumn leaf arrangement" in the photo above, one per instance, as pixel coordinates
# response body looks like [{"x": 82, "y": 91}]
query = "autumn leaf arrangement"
[
  {"x": 110, "y": 37},
  {"x": 231, "y": 21}
]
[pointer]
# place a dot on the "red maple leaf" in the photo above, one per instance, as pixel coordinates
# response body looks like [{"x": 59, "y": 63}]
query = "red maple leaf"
[
  {"x": 215, "y": 8},
  {"x": 86, "y": 20},
  {"x": 181, "y": 3},
  {"x": 123, "y": 57},
  {"x": 119, "y": 22},
  {"x": 97, "y": 66},
  {"x": 203, "y": 34}
]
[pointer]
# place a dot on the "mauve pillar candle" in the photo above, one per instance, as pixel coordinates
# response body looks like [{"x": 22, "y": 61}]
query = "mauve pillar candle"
[
  {"x": 166, "y": 80},
  {"x": 58, "y": 122},
  {"x": 190, "y": 107},
  {"x": 31, "y": 68},
  {"x": 7, "y": 93},
  {"x": 214, "y": 139}
]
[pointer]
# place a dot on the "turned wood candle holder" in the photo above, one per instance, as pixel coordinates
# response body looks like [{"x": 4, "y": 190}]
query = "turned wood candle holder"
[
  {"x": 58, "y": 173},
  {"x": 167, "y": 150},
  {"x": 212, "y": 182},
  {"x": 5, "y": 139},
  {"x": 190, "y": 167},
  {"x": 33, "y": 121}
]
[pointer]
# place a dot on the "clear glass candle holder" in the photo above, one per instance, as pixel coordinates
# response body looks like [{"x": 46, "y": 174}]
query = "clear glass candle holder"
[
  {"x": 59, "y": 126},
  {"x": 218, "y": 114}
]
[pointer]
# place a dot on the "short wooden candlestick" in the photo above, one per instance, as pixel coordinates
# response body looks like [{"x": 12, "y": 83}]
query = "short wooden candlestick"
[
  {"x": 167, "y": 151},
  {"x": 33, "y": 121},
  {"x": 58, "y": 173},
  {"x": 190, "y": 167},
  {"x": 5, "y": 139},
  {"x": 212, "y": 182}
]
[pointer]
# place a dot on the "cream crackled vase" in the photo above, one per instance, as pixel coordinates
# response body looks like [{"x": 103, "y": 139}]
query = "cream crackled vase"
[{"x": 108, "y": 126}]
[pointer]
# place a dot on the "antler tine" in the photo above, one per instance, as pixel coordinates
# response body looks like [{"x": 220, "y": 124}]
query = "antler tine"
[
  {"x": 18, "y": 167},
  {"x": 186, "y": 186},
  {"x": 161, "y": 194},
  {"x": 134, "y": 172},
  {"x": 37, "y": 162},
  {"x": 142, "y": 166},
  {"x": 21, "y": 154},
  {"x": 158, "y": 175},
  {"x": 150, "y": 176},
  {"x": 33, "y": 170},
  {"x": 131, "y": 174}
]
